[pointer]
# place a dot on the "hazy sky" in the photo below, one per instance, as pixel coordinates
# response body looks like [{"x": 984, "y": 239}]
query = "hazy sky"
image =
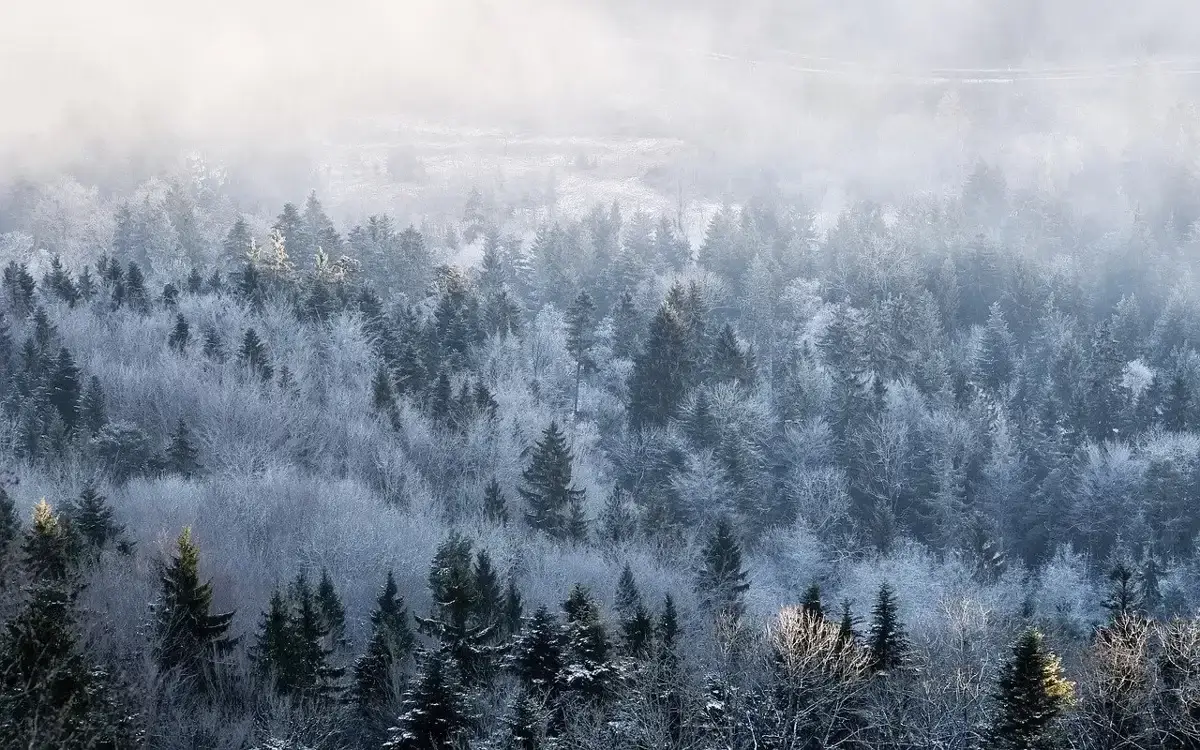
[{"x": 252, "y": 69}]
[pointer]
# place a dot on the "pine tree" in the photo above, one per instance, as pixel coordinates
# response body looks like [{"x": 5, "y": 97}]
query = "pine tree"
[
  {"x": 178, "y": 340},
  {"x": 10, "y": 527},
  {"x": 383, "y": 400},
  {"x": 495, "y": 506},
  {"x": 661, "y": 372},
  {"x": 273, "y": 644},
  {"x": 546, "y": 485},
  {"x": 513, "y": 608},
  {"x": 580, "y": 338},
  {"x": 92, "y": 413},
  {"x": 214, "y": 348},
  {"x": 587, "y": 669},
  {"x": 183, "y": 457},
  {"x": 617, "y": 522},
  {"x": 723, "y": 582},
  {"x": 811, "y": 605},
  {"x": 887, "y": 641},
  {"x": 526, "y": 730},
  {"x": 190, "y": 638},
  {"x": 254, "y": 353},
  {"x": 455, "y": 621},
  {"x": 489, "y": 606},
  {"x": 1031, "y": 696},
  {"x": 65, "y": 389},
  {"x": 135, "y": 289},
  {"x": 236, "y": 243},
  {"x": 667, "y": 629},
  {"x": 537, "y": 655},
  {"x": 729, "y": 362},
  {"x": 391, "y": 642},
  {"x": 1122, "y": 600},
  {"x": 627, "y": 597},
  {"x": 847, "y": 630},
  {"x": 91, "y": 518},
  {"x": 311, "y": 674},
  {"x": 332, "y": 611},
  {"x": 637, "y": 632},
  {"x": 435, "y": 715},
  {"x": 48, "y": 548}
]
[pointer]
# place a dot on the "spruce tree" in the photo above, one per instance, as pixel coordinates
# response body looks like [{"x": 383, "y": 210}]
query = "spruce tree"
[
  {"x": 886, "y": 640},
  {"x": 313, "y": 677},
  {"x": 135, "y": 288},
  {"x": 617, "y": 521},
  {"x": 489, "y": 605},
  {"x": 667, "y": 629},
  {"x": 1122, "y": 600},
  {"x": 178, "y": 340},
  {"x": 580, "y": 337},
  {"x": 236, "y": 243},
  {"x": 183, "y": 457},
  {"x": 391, "y": 643},
  {"x": 91, "y": 518},
  {"x": 730, "y": 363},
  {"x": 495, "y": 506},
  {"x": 191, "y": 639},
  {"x": 254, "y": 354},
  {"x": 661, "y": 372},
  {"x": 48, "y": 548},
  {"x": 513, "y": 608},
  {"x": 1031, "y": 696},
  {"x": 526, "y": 730},
  {"x": 627, "y": 597},
  {"x": 455, "y": 620},
  {"x": 214, "y": 348},
  {"x": 65, "y": 389},
  {"x": 546, "y": 485},
  {"x": 332, "y": 611},
  {"x": 435, "y": 714},
  {"x": 273, "y": 644},
  {"x": 537, "y": 655},
  {"x": 811, "y": 605},
  {"x": 587, "y": 669},
  {"x": 92, "y": 412},
  {"x": 847, "y": 632},
  {"x": 10, "y": 527},
  {"x": 383, "y": 400},
  {"x": 723, "y": 582}
]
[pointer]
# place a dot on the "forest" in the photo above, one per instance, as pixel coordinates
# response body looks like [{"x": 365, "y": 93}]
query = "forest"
[{"x": 927, "y": 476}]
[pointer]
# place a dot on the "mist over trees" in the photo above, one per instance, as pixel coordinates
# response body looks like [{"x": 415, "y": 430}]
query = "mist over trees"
[{"x": 914, "y": 474}]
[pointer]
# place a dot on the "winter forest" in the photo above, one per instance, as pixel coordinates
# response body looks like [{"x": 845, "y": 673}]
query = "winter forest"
[{"x": 282, "y": 468}]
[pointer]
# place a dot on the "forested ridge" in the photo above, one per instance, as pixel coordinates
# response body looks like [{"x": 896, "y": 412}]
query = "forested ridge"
[{"x": 923, "y": 476}]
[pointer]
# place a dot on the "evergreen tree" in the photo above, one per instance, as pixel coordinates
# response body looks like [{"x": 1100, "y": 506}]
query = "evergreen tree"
[
  {"x": 170, "y": 296},
  {"x": 1031, "y": 696},
  {"x": 661, "y": 372},
  {"x": 627, "y": 597},
  {"x": 489, "y": 605},
  {"x": 65, "y": 389},
  {"x": 383, "y": 400},
  {"x": 91, "y": 518},
  {"x": 1177, "y": 404},
  {"x": 617, "y": 522},
  {"x": 135, "y": 289},
  {"x": 10, "y": 526},
  {"x": 273, "y": 644},
  {"x": 1122, "y": 600},
  {"x": 847, "y": 630},
  {"x": 513, "y": 608},
  {"x": 730, "y": 363},
  {"x": 48, "y": 547},
  {"x": 391, "y": 643},
  {"x": 311, "y": 675},
  {"x": 723, "y": 582},
  {"x": 92, "y": 413},
  {"x": 667, "y": 629},
  {"x": 178, "y": 340},
  {"x": 587, "y": 670},
  {"x": 191, "y": 639},
  {"x": 580, "y": 337},
  {"x": 214, "y": 348},
  {"x": 811, "y": 605},
  {"x": 236, "y": 244},
  {"x": 455, "y": 620},
  {"x": 887, "y": 641},
  {"x": 254, "y": 353},
  {"x": 537, "y": 655},
  {"x": 546, "y": 485},
  {"x": 495, "y": 506},
  {"x": 526, "y": 730},
  {"x": 183, "y": 457},
  {"x": 331, "y": 609},
  {"x": 435, "y": 715}
]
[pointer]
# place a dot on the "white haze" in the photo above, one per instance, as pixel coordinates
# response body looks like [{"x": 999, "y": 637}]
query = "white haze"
[{"x": 846, "y": 87}]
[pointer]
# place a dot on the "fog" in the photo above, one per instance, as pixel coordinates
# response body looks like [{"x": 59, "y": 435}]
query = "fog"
[{"x": 866, "y": 89}]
